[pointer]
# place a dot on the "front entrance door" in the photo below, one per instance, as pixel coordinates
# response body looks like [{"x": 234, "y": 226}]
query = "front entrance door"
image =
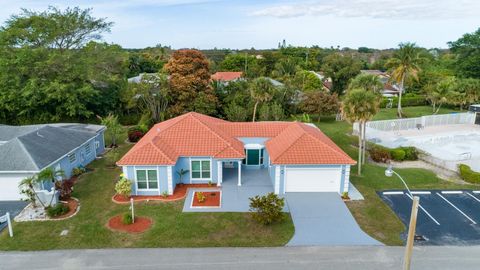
[{"x": 253, "y": 156}]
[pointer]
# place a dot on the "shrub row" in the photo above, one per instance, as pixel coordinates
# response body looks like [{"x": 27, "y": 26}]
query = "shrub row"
[
  {"x": 468, "y": 174},
  {"x": 382, "y": 154},
  {"x": 135, "y": 133},
  {"x": 413, "y": 100}
]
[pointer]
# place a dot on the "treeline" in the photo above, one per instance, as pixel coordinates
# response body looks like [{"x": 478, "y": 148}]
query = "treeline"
[{"x": 54, "y": 67}]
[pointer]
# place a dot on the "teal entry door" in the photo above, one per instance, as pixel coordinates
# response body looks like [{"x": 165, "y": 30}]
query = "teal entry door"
[{"x": 253, "y": 156}]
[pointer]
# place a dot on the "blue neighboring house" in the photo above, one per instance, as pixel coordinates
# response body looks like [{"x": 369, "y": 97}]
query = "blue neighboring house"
[{"x": 27, "y": 150}]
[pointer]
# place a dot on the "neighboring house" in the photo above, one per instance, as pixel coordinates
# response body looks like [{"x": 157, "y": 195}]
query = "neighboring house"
[
  {"x": 298, "y": 156},
  {"x": 389, "y": 89},
  {"x": 27, "y": 150},
  {"x": 224, "y": 77}
]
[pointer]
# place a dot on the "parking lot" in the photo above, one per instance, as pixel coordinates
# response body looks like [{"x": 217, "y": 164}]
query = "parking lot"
[{"x": 444, "y": 217}]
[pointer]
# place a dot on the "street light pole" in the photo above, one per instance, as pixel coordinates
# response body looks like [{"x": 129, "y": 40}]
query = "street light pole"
[{"x": 413, "y": 220}]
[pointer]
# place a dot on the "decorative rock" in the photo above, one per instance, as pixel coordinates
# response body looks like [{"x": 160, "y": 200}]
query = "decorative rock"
[{"x": 64, "y": 233}]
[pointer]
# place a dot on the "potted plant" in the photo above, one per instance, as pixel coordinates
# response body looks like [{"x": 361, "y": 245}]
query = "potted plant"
[{"x": 345, "y": 196}]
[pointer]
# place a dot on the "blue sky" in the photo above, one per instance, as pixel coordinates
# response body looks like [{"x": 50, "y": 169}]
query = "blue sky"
[{"x": 262, "y": 24}]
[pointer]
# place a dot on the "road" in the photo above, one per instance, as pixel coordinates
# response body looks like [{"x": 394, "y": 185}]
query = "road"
[{"x": 369, "y": 257}]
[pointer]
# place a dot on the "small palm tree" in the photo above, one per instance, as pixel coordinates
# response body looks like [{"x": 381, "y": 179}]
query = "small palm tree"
[
  {"x": 360, "y": 106},
  {"x": 51, "y": 175},
  {"x": 261, "y": 90},
  {"x": 405, "y": 63},
  {"x": 367, "y": 82},
  {"x": 27, "y": 187},
  {"x": 113, "y": 127}
]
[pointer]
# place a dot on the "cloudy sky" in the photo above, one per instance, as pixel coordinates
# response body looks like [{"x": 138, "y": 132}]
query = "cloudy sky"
[{"x": 263, "y": 23}]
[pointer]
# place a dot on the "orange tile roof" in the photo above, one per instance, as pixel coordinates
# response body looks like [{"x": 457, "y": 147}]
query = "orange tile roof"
[
  {"x": 226, "y": 76},
  {"x": 195, "y": 134}
]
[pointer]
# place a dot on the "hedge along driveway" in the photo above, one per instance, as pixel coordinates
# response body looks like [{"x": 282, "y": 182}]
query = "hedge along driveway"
[{"x": 171, "y": 227}]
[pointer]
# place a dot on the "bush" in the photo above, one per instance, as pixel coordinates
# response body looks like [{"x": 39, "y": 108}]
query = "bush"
[
  {"x": 407, "y": 100},
  {"x": 78, "y": 171},
  {"x": 57, "y": 210},
  {"x": 123, "y": 187},
  {"x": 267, "y": 209},
  {"x": 410, "y": 153},
  {"x": 127, "y": 218},
  {"x": 65, "y": 188},
  {"x": 201, "y": 197},
  {"x": 379, "y": 154},
  {"x": 398, "y": 154},
  {"x": 468, "y": 174},
  {"x": 135, "y": 134}
]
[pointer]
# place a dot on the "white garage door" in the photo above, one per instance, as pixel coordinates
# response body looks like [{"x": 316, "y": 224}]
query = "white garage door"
[
  {"x": 9, "y": 190},
  {"x": 313, "y": 179}
]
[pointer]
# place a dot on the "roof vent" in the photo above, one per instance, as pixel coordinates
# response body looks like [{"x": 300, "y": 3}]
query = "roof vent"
[{"x": 39, "y": 135}]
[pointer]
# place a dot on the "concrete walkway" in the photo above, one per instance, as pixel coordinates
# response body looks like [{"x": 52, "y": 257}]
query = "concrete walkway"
[
  {"x": 305, "y": 258},
  {"x": 321, "y": 219}
]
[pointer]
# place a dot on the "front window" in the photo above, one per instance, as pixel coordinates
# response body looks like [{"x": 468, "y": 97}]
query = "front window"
[
  {"x": 201, "y": 169},
  {"x": 147, "y": 179}
]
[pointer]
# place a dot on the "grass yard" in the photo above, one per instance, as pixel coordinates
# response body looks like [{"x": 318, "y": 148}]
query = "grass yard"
[
  {"x": 373, "y": 215},
  {"x": 417, "y": 111},
  {"x": 171, "y": 228}
]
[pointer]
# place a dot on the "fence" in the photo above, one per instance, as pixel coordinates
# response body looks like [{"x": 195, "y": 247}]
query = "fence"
[
  {"x": 6, "y": 218},
  {"x": 420, "y": 122}
]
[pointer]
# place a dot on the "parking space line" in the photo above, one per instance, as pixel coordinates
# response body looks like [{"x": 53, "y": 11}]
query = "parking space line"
[
  {"x": 473, "y": 197},
  {"x": 476, "y": 191},
  {"x": 393, "y": 193},
  {"x": 452, "y": 192},
  {"x": 425, "y": 211},
  {"x": 456, "y": 208},
  {"x": 421, "y": 192}
]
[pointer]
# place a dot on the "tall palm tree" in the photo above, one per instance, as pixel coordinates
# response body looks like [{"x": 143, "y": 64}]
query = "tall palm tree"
[
  {"x": 360, "y": 106},
  {"x": 367, "y": 82},
  {"x": 261, "y": 90},
  {"x": 404, "y": 64}
]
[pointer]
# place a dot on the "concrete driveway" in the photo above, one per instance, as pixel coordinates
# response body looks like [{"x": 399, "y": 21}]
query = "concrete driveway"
[
  {"x": 323, "y": 219},
  {"x": 13, "y": 207}
]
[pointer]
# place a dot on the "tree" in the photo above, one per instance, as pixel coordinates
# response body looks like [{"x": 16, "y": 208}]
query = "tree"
[
  {"x": 113, "y": 127},
  {"x": 151, "y": 96},
  {"x": 340, "y": 69},
  {"x": 27, "y": 187},
  {"x": 367, "y": 82},
  {"x": 405, "y": 63},
  {"x": 467, "y": 51},
  {"x": 360, "y": 106},
  {"x": 189, "y": 76},
  {"x": 470, "y": 89},
  {"x": 54, "y": 28},
  {"x": 439, "y": 93},
  {"x": 50, "y": 175},
  {"x": 320, "y": 103},
  {"x": 260, "y": 91},
  {"x": 307, "y": 81},
  {"x": 236, "y": 112}
]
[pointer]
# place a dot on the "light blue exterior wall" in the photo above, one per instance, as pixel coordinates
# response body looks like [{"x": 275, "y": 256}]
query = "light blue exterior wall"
[
  {"x": 100, "y": 138},
  {"x": 184, "y": 163},
  {"x": 162, "y": 176}
]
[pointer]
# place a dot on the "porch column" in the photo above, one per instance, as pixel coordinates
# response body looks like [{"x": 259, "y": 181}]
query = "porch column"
[
  {"x": 219, "y": 173},
  {"x": 169, "y": 181},
  {"x": 239, "y": 173}
]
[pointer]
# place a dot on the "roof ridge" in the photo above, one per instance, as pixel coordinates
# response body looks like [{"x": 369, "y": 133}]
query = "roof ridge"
[
  {"x": 290, "y": 146},
  {"x": 26, "y": 151},
  {"x": 158, "y": 150},
  {"x": 211, "y": 131},
  {"x": 326, "y": 144}
]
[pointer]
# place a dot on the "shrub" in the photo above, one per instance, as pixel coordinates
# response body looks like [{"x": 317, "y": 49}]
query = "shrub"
[
  {"x": 165, "y": 194},
  {"x": 201, "y": 197},
  {"x": 127, "y": 218},
  {"x": 65, "y": 188},
  {"x": 135, "y": 133},
  {"x": 57, "y": 210},
  {"x": 123, "y": 187},
  {"x": 398, "y": 154},
  {"x": 468, "y": 174},
  {"x": 267, "y": 209},
  {"x": 410, "y": 100},
  {"x": 78, "y": 171},
  {"x": 379, "y": 154},
  {"x": 410, "y": 153},
  {"x": 345, "y": 195}
]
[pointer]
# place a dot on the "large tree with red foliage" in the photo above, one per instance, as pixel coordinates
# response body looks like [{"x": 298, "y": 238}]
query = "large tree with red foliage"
[{"x": 190, "y": 83}]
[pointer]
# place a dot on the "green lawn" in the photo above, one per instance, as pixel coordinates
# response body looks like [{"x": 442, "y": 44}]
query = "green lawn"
[
  {"x": 373, "y": 215},
  {"x": 410, "y": 112},
  {"x": 171, "y": 228}
]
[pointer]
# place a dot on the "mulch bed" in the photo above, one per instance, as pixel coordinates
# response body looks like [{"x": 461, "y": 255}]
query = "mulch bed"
[
  {"x": 179, "y": 194},
  {"x": 212, "y": 199},
  {"x": 141, "y": 224},
  {"x": 72, "y": 205}
]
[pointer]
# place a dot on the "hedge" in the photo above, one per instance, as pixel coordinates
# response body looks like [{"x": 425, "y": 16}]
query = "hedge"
[
  {"x": 468, "y": 175},
  {"x": 382, "y": 154},
  {"x": 398, "y": 154},
  {"x": 413, "y": 100}
]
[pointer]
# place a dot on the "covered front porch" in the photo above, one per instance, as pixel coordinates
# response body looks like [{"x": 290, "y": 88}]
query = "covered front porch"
[{"x": 235, "y": 198}]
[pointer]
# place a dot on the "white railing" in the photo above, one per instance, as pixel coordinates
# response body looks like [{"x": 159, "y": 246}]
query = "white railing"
[
  {"x": 6, "y": 218},
  {"x": 420, "y": 122}
]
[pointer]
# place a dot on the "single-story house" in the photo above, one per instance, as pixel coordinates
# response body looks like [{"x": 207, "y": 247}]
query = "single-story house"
[
  {"x": 27, "y": 150},
  {"x": 225, "y": 77},
  {"x": 297, "y": 156}
]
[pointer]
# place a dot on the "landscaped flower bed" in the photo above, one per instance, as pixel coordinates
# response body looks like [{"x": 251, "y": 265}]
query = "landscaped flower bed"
[
  {"x": 140, "y": 225},
  {"x": 206, "y": 199}
]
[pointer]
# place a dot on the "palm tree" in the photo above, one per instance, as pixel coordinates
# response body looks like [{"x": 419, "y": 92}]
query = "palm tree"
[
  {"x": 50, "y": 174},
  {"x": 113, "y": 127},
  {"x": 261, "y": 90},
  {"x": 405, "y": 63},
  {"x": 441, "y": 93},
  {"x": 367, "y": 82},
  {"x": 360, "y": 106},
  {"x": 27, "y": 187}
]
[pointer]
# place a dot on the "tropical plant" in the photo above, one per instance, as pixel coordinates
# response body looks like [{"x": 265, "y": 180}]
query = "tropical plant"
[
  {"x": 439, "y": 93},
  {"x": 360, "y": 106},
  {"x": 267, "y": 209},
  {"x": 127, "y": 218},
  {"x": 123, "y": 187},
  {"x": 201, "y": 197},
  {"x": 57, "y": 210},
  {"x": 113, "y": 127},
  {"x": 367, "y": 82},
  {"x": 236, "y": 113},
  {"x": 27, "y": 187},
  {"x": 181, "y": 173},
  {"x": 51, "y": 175},
  {"x": 261, "y": 90},
  {"x": 404, "y": 64}
]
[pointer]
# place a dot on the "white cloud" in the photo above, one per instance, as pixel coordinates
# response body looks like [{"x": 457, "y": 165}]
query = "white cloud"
[{"x": 383, "y": 9}]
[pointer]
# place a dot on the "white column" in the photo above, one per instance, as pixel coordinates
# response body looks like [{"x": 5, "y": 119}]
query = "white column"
[
  {"x": 346, "y": 180},
  {"x": 169, "y": 180},
  {"x": 239, "y": 173},
  {"x": 277, "y": 179},
  {"x": 219, "y": 173}
]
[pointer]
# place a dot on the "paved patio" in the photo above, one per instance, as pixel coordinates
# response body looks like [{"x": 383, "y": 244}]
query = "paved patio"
[{"x": 236, "y": 198}]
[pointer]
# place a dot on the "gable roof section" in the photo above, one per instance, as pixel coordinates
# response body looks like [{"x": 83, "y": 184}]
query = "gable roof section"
[
  {"x": 226, "y": 76},
  {"x": 195, "y": 134}
]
